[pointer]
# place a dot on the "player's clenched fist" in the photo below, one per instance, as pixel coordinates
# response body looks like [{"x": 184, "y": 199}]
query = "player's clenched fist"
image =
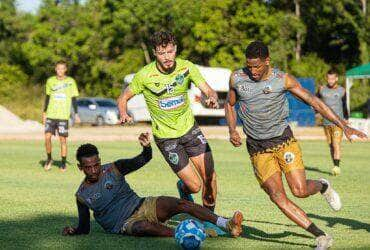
[
  {"x": 235, "y": 138},
  {"x": 69, "y": 231},
  {"x": 144, "y": 139},
  {"x": 125, "y": 118}
]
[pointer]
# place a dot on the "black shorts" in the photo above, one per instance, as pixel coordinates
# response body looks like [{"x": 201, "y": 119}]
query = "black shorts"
[
  {"x": 52, "y": 125},
  {"x": 177, "y": 151}
]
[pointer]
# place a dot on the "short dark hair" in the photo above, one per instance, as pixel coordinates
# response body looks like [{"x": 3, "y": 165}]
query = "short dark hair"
[
  {"x": 86, "y": 150},
  {"x": 61, "y": 62},
  {"x": 332, "y": 71},
  {"x": 257, "y": 49},
  {"x": 162, "y": 38}
]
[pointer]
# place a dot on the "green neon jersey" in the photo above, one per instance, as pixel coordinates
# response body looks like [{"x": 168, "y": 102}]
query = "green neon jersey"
[
  {"x": 61, "y": 93},
  {"x": 167, "y": 98}
]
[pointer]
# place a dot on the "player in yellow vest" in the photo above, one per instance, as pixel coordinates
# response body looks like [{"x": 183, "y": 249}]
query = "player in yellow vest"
[
  {"x": 165, "y": 84},
  {"x": 61, "y": 93}
]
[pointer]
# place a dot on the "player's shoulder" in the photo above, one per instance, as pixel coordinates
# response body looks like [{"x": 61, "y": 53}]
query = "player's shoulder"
[
  {"x": 146, "y": 70},
  {"x": 278, "y": 73},
  {"x": 51, "y": 79},
  {"x": 70, "y": 79}
]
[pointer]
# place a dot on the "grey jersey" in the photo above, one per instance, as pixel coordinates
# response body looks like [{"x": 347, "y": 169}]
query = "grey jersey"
[
  {"x": 333, "y": 98},
  {"x": 263, "y": 105},
  {"x": 111, "y": 199}
]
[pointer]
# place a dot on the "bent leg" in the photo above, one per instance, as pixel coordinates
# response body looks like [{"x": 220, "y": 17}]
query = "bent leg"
[
  {"x": 190, "y": 179},
  {"x": 146, "y": 228},
  {"x": 205, "y": 167},
  {"x": 301, "y": 187},
  {"x": 273, "y": 186}
]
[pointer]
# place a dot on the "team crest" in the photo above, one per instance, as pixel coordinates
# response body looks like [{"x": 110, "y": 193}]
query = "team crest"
[
  {"x": 108, "y": 185},
  {"x": 174, "y": 158},
  {"x": 289, "y": 157},
  {"x": 156, "y": 84},
  {"x": 179, "y": 79},
  {"x": 267, "y": 89},
  {"x": 336, "y": 133}
]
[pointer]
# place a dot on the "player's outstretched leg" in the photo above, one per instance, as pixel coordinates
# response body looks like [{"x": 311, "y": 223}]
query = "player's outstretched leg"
[
  {"x": 273, "y": 186},
  {"x": 170, "y": 206},
  {"x": 303, "y": 188},
  {"x": 188, "y": 184}
]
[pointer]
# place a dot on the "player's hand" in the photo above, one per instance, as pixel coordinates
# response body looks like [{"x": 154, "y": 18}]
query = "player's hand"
[
  {"x": 144, "y": 139},
  {"x": 77, "y": 118},
  {"x": 212, "y": 102},
  {"x": 43, "y": 118},
  {"x": 235, "y": 138},
  {"x": 125, "y": 118},
  {"x": 69, "y": 231},
  {"x": 352, "y": 133}
]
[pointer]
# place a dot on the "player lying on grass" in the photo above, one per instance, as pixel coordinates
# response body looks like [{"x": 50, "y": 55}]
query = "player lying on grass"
[{"x": 118, "y": 209}]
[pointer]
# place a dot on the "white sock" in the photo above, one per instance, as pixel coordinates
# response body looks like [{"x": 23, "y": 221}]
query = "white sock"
[{"x": 221, "y": 222}]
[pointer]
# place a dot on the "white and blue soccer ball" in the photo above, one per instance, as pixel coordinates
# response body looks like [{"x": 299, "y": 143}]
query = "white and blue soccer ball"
[{"x": 190, "y": 234}]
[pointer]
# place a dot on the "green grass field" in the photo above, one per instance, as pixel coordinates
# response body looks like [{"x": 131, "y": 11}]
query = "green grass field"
[{"x": 36, "y": 205}]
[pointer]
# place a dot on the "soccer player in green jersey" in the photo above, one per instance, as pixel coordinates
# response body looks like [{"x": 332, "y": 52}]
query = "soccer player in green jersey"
[
  {"x": 61, "y": 92},
  {"x": 164, "y": 84}
]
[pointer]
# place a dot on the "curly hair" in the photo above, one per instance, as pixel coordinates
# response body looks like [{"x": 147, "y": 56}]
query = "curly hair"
[
  {"x": 162, "y": 38},
  {"x": 332, "y": 71},
  {"x": 257, "y": 49},
  {"x": 86, "y": 150}
]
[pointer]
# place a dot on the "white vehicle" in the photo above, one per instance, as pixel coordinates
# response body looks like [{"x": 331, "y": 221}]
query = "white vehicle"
[{"x": 217, "y": 78}]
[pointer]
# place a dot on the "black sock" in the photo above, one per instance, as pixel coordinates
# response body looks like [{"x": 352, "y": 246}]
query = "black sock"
[
  {"x": 324, "y": 187},
  {"x": 336, "y": 162},
  {"x": 315, "y": 230},
  {"x": 49, "y": 156},
  {"x": 64, "y": 160}
]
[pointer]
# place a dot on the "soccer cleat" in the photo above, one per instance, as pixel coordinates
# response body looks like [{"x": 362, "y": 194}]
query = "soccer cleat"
[
  {"x": 323, "y": 242},
  {"x": 331, "y": 196},
  {"x": 212, "y": 230},
  {"x": 234, "y": 225},
  {"x": 183, "y": 196},
  {"x": 335, "y": 171},
  {"x": 47, "y": 165}
]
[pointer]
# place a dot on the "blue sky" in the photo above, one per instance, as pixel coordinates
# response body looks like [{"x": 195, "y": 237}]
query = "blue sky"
[{"x": 28, "y": 5}]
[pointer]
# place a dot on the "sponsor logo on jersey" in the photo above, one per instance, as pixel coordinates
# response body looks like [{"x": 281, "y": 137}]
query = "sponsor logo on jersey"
[
  {"x": 60, "y": 96},
  {"x": 94, "y": 198},
  {"x": 60, "y": 86},
  {"x": 171, "y": 102},
  {"x": 245, "y": 89}
]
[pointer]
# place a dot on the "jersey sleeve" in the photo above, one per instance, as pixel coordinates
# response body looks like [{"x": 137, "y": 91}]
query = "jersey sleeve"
[
  {"x": 195, "y": 75},
  {"x": 74, "y": 88},
  {"x": 137, "y": 85},
  {"x": 48, "y": 87}
]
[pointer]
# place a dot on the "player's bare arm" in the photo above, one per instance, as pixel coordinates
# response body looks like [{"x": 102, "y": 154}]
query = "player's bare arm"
[
  {"x": 122, "y": 105},
  {"x": 230, "y": 114},
  {"x": 212, "y": 100},
  {"x": 297, "y": 90}
]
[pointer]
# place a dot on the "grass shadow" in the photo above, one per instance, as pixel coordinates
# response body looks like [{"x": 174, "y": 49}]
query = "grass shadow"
[
  {"x": 315, "y": 169},
  {"x": 56, "y": 163},
  {"x": 45, "y": 232},
  {"x": 253, "y": 233},
  {"x": 332, "y": 221}
]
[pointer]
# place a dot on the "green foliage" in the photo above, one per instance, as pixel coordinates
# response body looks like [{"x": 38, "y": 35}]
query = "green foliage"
[
  {"x": 103, "y": 40},
  {"x": 17, "y": 95},
  {"x": 360, "y": 93},
  {"x": 310, "y": 66}
]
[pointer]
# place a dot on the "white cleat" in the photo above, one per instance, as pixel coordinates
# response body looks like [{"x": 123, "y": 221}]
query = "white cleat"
[
  {"x": 331, "y": 196},
  {"x": 323, "y": 242}
]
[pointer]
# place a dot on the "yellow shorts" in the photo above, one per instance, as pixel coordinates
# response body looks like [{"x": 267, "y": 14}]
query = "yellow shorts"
[
  {"x": 284, "y": 157},
  {"x": 334, "y": 134},
  {"x": 147, "y": 211}
]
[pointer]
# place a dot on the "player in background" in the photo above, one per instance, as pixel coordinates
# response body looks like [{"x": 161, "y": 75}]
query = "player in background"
[
  {"x": 164, "y": 84},
  {"x": 61, "y": 93},
  {"x": 334, "y": 96},
  {"x": 260, "y": 90},
  {"x": 118, "y": 209}
]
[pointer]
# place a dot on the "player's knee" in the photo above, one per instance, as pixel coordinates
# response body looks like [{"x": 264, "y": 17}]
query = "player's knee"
[
  {"x": 194, "y": 187},
  {"x": 299, "y": 192},
  {"x": 183, "y": 205},
  {"x": 278, "y": 198},
  {"x": 140, "y": 228}
]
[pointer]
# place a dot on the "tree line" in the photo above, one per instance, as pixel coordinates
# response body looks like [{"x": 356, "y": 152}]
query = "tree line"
[{"x": 103, "y": 40}]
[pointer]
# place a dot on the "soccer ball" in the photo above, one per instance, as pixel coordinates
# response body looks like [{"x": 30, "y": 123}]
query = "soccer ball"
[{"x": 190, "y": 234}]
